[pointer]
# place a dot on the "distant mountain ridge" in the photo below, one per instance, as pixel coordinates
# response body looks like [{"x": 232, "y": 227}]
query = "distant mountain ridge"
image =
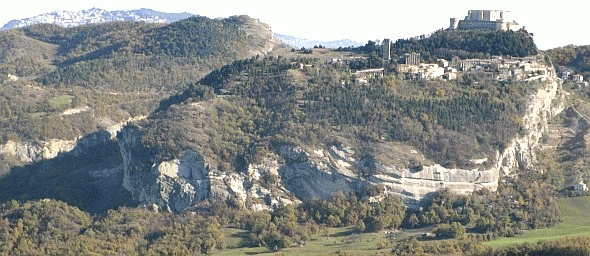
[
  {"x": 309, "y": 43},
  {"x": 96, "y": 15}
]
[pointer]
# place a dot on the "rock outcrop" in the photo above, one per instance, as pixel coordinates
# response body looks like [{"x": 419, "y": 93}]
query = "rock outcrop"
[
  {"x": 31, "y": 151},
  {"x": 337, "y": 170},
  {"x": 321, "y": 178},
  {"x": 177, "y": 184},
  {"x": 521, "y": 152}
]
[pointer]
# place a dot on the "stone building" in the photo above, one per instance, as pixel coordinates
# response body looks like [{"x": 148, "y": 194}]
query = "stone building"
[
  {"x": 422, "y": 71},
  {"x": 484, "y": 20},
  {"x": 580, "y": 187},
  {"x": 362, "y": 76}
]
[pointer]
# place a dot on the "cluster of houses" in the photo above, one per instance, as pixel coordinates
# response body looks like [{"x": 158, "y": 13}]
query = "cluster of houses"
[
  {"x": 495, "y": 68},
  {"x": 498, "y": 68},
  {"x": 566, "y": 73}
]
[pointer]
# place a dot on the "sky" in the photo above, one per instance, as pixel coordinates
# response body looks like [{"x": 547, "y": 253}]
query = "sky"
[{"x": 553, "y": 25}]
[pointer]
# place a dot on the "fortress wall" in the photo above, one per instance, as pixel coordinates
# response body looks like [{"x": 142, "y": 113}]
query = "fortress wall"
[
  {"x": 486, "y": 25},
  {"x": 484, "y": 20}
]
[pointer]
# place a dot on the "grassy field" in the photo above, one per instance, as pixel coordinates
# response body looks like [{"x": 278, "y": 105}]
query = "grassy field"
[
  {"x": 60, "y": 102},
  {"x": 574, "y": 211},
  {"x": 328, "y": 242}
]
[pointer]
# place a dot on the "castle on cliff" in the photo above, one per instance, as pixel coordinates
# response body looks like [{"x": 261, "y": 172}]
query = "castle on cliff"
[{"x": 485, "y": 20}]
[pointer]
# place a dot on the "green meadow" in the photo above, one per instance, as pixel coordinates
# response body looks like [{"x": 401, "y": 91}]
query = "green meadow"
[{"x": 328, "y": 242}]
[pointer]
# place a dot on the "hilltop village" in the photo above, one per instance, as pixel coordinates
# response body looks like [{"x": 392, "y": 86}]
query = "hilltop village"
[
  {"x": 496, "y": 68},
  {"x": 501, "y": 68},
  {"x": 411, "y": 66}
]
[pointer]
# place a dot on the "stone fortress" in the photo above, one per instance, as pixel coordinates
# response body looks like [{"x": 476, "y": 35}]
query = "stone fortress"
[{"x": 485, "y": 20}]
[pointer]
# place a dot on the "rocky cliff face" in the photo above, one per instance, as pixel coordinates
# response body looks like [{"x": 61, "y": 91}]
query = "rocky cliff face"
[
  {"x": 259, "y": 33},
  {"x": 335, "y": 169},
  {"x": 175, "y": 184},
  {"x": 30, "y": 151},
  {"x": 541, "y": 107},
  {"x": 307, "y": 173},
  {"x": 319, "y": 175},
  {"x": 178, "y": 184}
]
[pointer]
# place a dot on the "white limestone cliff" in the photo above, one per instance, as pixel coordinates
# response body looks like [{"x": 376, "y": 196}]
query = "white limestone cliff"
[
  {"x": 177, "y": 184},
  {"x": 180, "y": 183},
  {"x": 34, "y": 151},
  {"x": 336, "y": 170}
]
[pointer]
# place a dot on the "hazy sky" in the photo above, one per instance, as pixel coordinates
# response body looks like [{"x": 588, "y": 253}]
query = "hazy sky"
[{"x": 556, "y": 24}]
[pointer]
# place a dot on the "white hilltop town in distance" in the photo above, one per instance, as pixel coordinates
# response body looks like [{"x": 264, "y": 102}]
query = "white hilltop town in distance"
[{"x": 96, "y": 15}]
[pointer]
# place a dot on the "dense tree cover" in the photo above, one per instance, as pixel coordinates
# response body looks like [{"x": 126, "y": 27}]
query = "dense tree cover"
[
  {"x": 371, "y": 47},
  {"x": 453, "y": 230},
  {"x": 575, "y": 57},
  {"x": 221, "y": 78},
  {"x": 571, "y": 55},
  {"x": 269, "y": 101},
  {"x": 50, "y": 227},
  {"x": 53, "y": 227},
  {"x": 196, "y": 37},
  {"x": 23, "y": 56},
  {"x": 443, "y": 127},
  {"x": 228, "y": 127},
  {"x": 469, "y": 44},
  {"x": 342, "y": 210},
  {"x": 521, "y": 203},
  {"x": 116, "y": 70},
  {"x": 130, "y": 56},
  {"x": 252, "y": 105},
  {"x": 35, "y": 113},
  {"x": 220, "y": 131},
  {"x": 282, "y": 228}
]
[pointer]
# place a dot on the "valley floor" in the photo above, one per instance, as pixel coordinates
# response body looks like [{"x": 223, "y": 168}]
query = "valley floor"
[
  {"x": 344, "y": 240},
  {"x": 329, "y": 242}
]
